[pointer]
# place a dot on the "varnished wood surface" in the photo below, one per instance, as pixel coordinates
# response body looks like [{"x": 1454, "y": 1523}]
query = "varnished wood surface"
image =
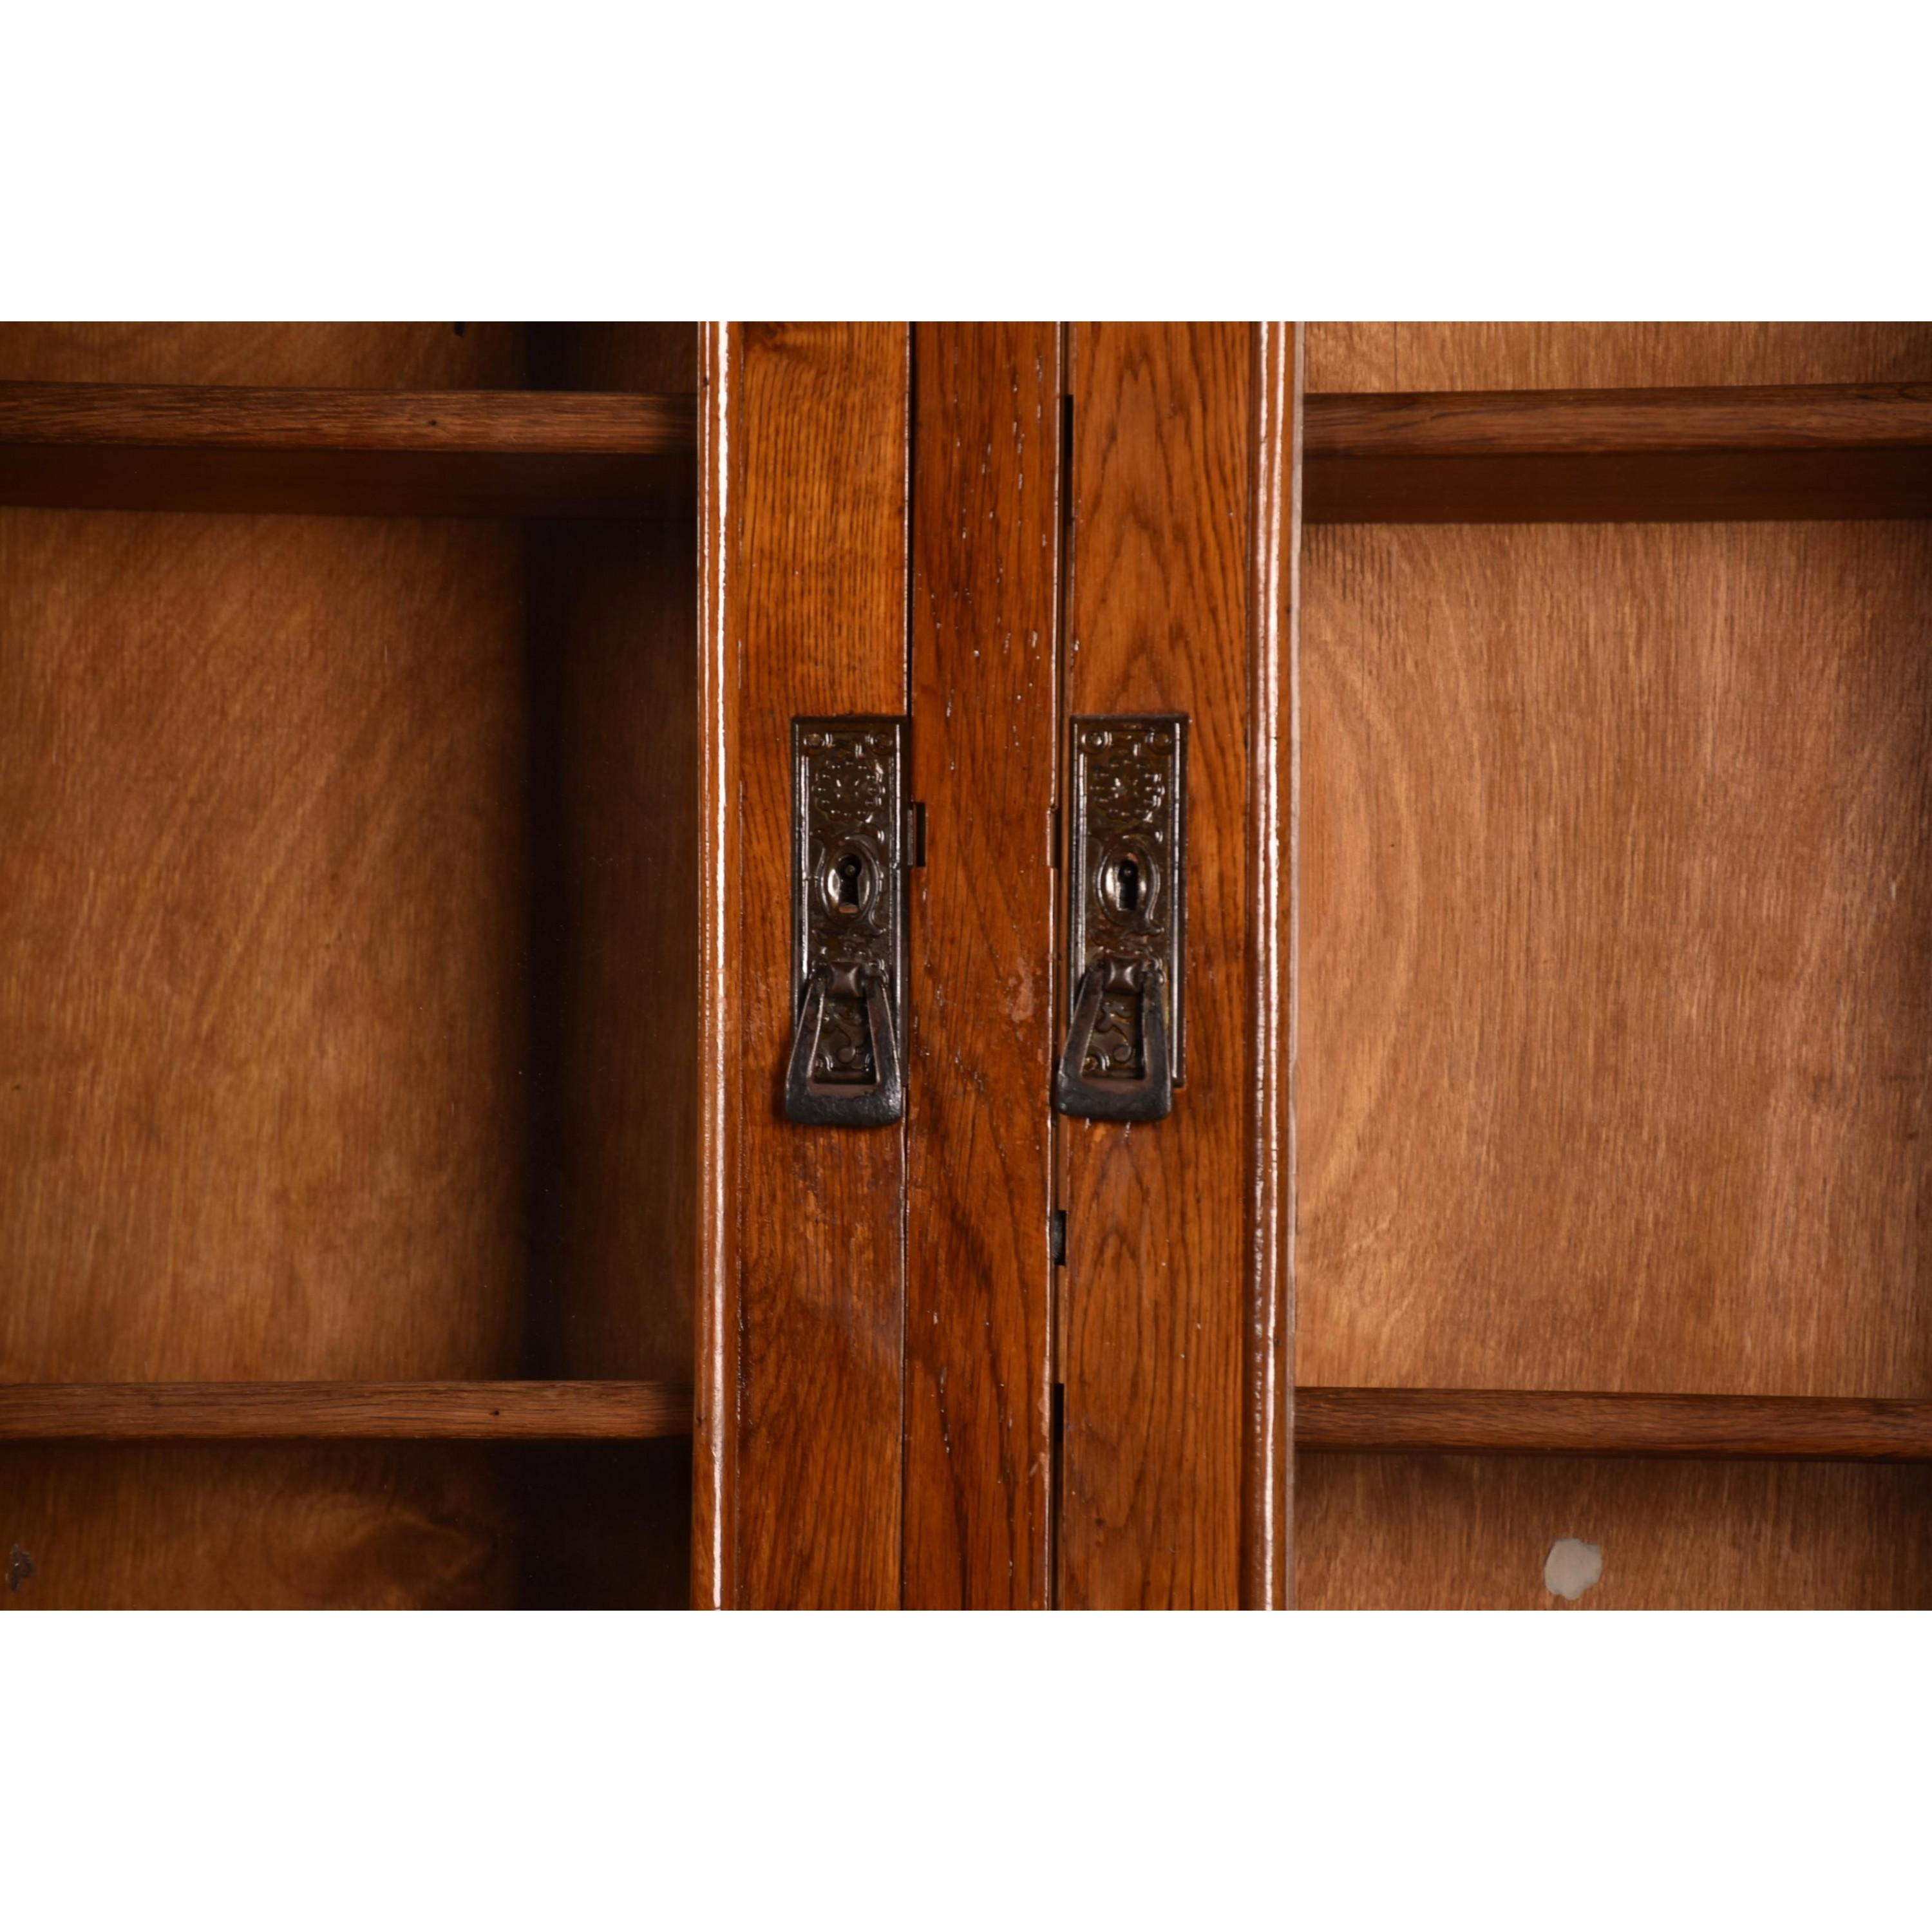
[
  {"x": 282, "y": 942},
  {"x": 353, "y": 451},
  {"x": 986, "y": 518},
  {"x": 1155, "y": 1366},
  {"x": 1274, "y": 544},
  {"x": 1626, "y": 422},
  {"x": 343, "y": 1525},
  {"x": 541, "y": 422},
  {"x": 611, "y": 953},
  {"x": 1418, "y": 355},
  {"x": 263, "y": 1027},
  {"x": 714, "y": 1446},
  {"x": 1543, "y": 1422},
  {"x": 346, "y": 1525},
  {"x": 1840, "y": 451},
  {"x": 1616, "y": 1029},
  {"x": 307, "y": 354},
  {"x": 1474, "y": 1532},
  {"x": 801, "y": 1229},
  {"x": 262, "y": 1013},
  {"x": 326, "y": 1412}
]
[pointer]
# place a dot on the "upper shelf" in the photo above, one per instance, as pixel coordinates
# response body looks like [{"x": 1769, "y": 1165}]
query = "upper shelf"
[
  {"x": 357, "y": 452},
  {"x": 1852, "y": 451}
]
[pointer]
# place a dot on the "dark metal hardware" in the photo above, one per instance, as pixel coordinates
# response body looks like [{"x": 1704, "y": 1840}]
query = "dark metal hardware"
[
  {"x": 1126, "y": 909},
  {"x": 848, "y": 922}
]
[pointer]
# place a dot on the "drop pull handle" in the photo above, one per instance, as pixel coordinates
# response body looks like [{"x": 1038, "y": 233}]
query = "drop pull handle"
[
  {"x": 1125, "y": 878},
  {"x": 845, "y": 1068},
  {"x": 1116, "y": 1065},
  {"x": 835, "y": 1079}
]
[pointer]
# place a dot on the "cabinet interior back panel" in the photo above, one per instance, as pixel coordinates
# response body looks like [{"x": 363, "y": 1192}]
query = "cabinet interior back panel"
[
  {"x": 273, "y": 355},
  {"x": 263, "y": 1014},
  {"x": 1476, "y": 1532},
  {"x": 1616, "y": 958},
  {"x": 1402, "y": 356}
]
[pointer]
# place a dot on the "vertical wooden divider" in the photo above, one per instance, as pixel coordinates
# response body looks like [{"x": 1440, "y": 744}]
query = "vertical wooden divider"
[
  {"x": 986, "y": 524},
  {"x": 1175, "y": 1460},
  {"x": 801, "y": 1289},
  {"x": 1274, "y": 694}
]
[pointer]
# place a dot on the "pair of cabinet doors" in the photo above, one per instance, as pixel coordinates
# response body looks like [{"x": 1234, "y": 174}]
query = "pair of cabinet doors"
[{"x": 970, "y": 1347}]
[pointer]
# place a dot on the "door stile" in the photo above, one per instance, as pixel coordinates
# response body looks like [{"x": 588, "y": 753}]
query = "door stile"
[
  {"x": 1267, "y": 1574},
  {"x": 1173, "y": 1456},
  {"x": 986, "y": 526},
  {"x": 801, "y": 1227},
  {"x": 713, "y": 1531}
]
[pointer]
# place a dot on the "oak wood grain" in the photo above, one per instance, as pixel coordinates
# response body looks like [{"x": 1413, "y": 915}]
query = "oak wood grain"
[
  {"x": 611, "y": 949},
  {"x": 273, "y": 791},
  {"x": 1473, "y": 1532},
  {"x": 352, "y": 451},
  {"x": 1540, "y": 1422},
  {"x": 1628, "y": 422},
  {"x": 262, "y": 1017},
  {"x": 324, "y": 1411},
  {"x": 1615, "y": 1043},
  {"x": 1274, "y": 546},
  {"x": 802, "y": 1252},
  {"x": 1412, "y": 355},
  {"x": 1155, "y": 1367},
  {"x": 986, "y": 519},
  {"x": 297, "y": 355},
  {"x": 77, "y": 416},
  {"x": 343, "y": 1525},
  {"x": 1836, "y": 451}
]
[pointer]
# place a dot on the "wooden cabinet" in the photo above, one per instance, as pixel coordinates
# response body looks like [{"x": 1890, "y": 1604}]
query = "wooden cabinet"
[{"x": 398, "y": 973}]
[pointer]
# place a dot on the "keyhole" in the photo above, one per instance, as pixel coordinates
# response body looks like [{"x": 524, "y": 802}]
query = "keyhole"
[
  {"x": 850, "y": 872},
  {"x": 1128, "y": 887}
]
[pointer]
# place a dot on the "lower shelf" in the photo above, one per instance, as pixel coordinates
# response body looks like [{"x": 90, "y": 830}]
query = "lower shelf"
[
  {"x": 1548, "y": 1422},
  {"x": 524, "y": 1411},
  {"x": 1487, "y": 1422}
]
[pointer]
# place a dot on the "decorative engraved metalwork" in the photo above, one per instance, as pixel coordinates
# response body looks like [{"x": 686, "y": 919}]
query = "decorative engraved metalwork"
[
  {"x": 848, "y": 823},
  {"x": 1127, "y": 900}
]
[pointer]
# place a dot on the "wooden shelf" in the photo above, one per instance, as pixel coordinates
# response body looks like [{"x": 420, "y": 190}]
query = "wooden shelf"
[
  {"x": 357, "y": 452},
  {"x": 1537, "y": 1423},
  {"x": 1413, "y": 1421},
  {"x": 578, "y": 1411},
  {"x": 1853, "y": 451}
]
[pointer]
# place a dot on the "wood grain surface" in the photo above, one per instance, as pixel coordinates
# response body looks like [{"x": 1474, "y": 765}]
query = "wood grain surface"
[
  {"x": 273, "y": 975},
  {"x": 1155, "y": 1367},
  {"x": 1274, "y": 549},
  {"x": 510, "y": 422},
  {"x": 986, "y": 520},
  {"x": 1385, "y": 355},
  {"x": 344, "y": 1525},
  {"x": 326, "y": 1411},
  {"x": 1616, "y": 915},
  {"x": 294, "y": 355},
  {"x": 346, "y": 451},
  {"x": 1472, "y": 1532},
  {"x": 277, "y": 1526},
  {"x": 801, "y": 1229},
  {"x": 262, "y": 1015},
  {"x": 1621, "y": 455},
  {"x": 263, "y": 1023},
  {"x": 611, "y": 949},
  {"x": 1613, "y": 422},
  {"x": 1537, "y": 1422}
]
